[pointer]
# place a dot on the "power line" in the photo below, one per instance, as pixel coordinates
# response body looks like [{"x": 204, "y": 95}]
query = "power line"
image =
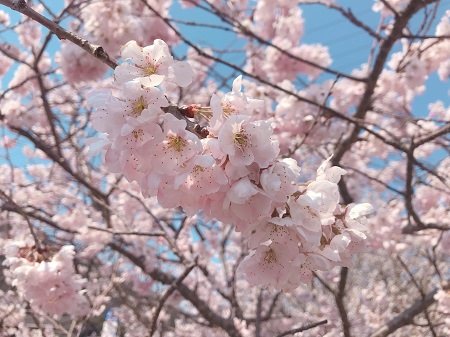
[{"x": 334, "y": 23}]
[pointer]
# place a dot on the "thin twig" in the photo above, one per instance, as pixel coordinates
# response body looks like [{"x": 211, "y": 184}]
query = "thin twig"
[
  {"x": 303, "y": 328},
  {"x": 94, "y": 50},
  {"x": 166, "y": 295},
  {"x": 106, "y": 230}
]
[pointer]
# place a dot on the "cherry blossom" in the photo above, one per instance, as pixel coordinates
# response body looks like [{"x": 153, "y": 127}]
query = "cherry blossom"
[
  {"x": 149, "y": 189},
  {"x": 50, "y": 286},
  {"x": 152, "y": 65}
]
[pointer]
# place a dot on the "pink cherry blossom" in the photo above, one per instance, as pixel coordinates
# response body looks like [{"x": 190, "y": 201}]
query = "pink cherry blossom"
[
  {"x": 152, "y": 65},
  {"x": 246, "y": 142},
  {"x": 270, "y": 264},
  {"x": 51, "y": 286},
  {"x": 177, "y": 147},
  {"x": 141, "y": 195}
]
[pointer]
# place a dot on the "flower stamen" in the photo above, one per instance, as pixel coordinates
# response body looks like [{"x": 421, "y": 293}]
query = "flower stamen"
[
  {"x": 228, "y": 109},
  {"x": 176, "y": 143},
  {"x": 270, "y": 256},
  {"x": 150, "y": 70},
  {"x": 240, "y": 139},
  {"x": 138, "y": 134},
  {"x": 138, "y": 106}
]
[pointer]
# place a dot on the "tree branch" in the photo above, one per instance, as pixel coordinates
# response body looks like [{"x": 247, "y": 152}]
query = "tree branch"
[
  {"x": 303, "y": 328},
  {"x": 202, "y": 307},
  {"x": 406, "y": 317},
  {"x": 166, "y": 295},
  {"x": 97, "y": 51},
  {"x": 339, "y": 299},
  {"x": 366, "y": 100}
]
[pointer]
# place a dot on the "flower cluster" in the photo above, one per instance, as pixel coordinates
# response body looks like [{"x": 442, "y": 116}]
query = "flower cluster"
[
  {"x": 282, "y": 23},
  {"x": 310, "y": 232},
  {"x": 231, "y": 172},
  {"x": 121, "y": 21},
  {"x": 48, "y": 282}
]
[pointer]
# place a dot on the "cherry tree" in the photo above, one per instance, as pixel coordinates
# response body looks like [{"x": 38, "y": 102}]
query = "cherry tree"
[{"x": 152, "y": 185}]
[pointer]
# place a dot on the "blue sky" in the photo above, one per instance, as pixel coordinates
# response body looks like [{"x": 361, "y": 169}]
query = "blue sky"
[{"x": 349, "y": 46}]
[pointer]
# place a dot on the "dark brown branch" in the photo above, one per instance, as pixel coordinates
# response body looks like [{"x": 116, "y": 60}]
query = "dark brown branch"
[
  {"x": 98, "y": 197},
  {"x": 246, "y": 31},
  {"x": 49, "y": 113},
  {"x": 422, "y": 293},
  {"x": 338, "y": 295},
  {"x": 406, "y": 317},
  {"x": 258, "y": 314},
  {"x": 366, "y": 100},
  {"x": 410, "y": 229},
  {"x": 94, "y": 50},
  {"x": 392, "y": 9},
  {"x": 242, "y": 71},
  {"x": 106, "y": 230},
  {"x": 409, "y": 191},
  {"x": 409, "y": 194},
  {"x": 421, "y": 37},
  {"x": 166, "y": 296},
  {"x": 202, "y": 307},
  {"x": 24, "y": 81},
  {"x": 20, "y": 210},
  {"x": 339, "y": 299},
  {"x": 436, "y": 134},
  {"x": 303, "y": 328},
  {"x": 9, "y": 200}
]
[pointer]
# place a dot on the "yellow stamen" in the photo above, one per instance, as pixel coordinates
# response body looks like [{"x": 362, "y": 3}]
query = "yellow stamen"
[
  {"x": 228, "y": 109},
  {"x": 138, "y": 107},
  {"x": 270, "y": 256},
  {"x": 204, "y": 112},
  {"x": 138, "y": 134},
  {"x": 176, "y": 143},
  {"x": 198, "y": 169},
  {"x": 240, "y": 139},
  {"x": 150, "y": 70}
]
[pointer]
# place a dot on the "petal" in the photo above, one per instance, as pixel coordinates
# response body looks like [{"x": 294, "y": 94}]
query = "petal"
[
  {"x": 132, "y": 51},
  {"x": 334, "y": 174},
  {"x": 183, "y": 73},
  {"x": 96, "y": 145},
  {"x": 241, "y": 191},
  {"x": 152, "y": 80},
  {"x": 126, "y": 129},
  {"x": 160, "y": 50},
  {"x": 237, "y": 84},
  {"x": 360, "y": 210},
  {"x": 126, "y": 72}
]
